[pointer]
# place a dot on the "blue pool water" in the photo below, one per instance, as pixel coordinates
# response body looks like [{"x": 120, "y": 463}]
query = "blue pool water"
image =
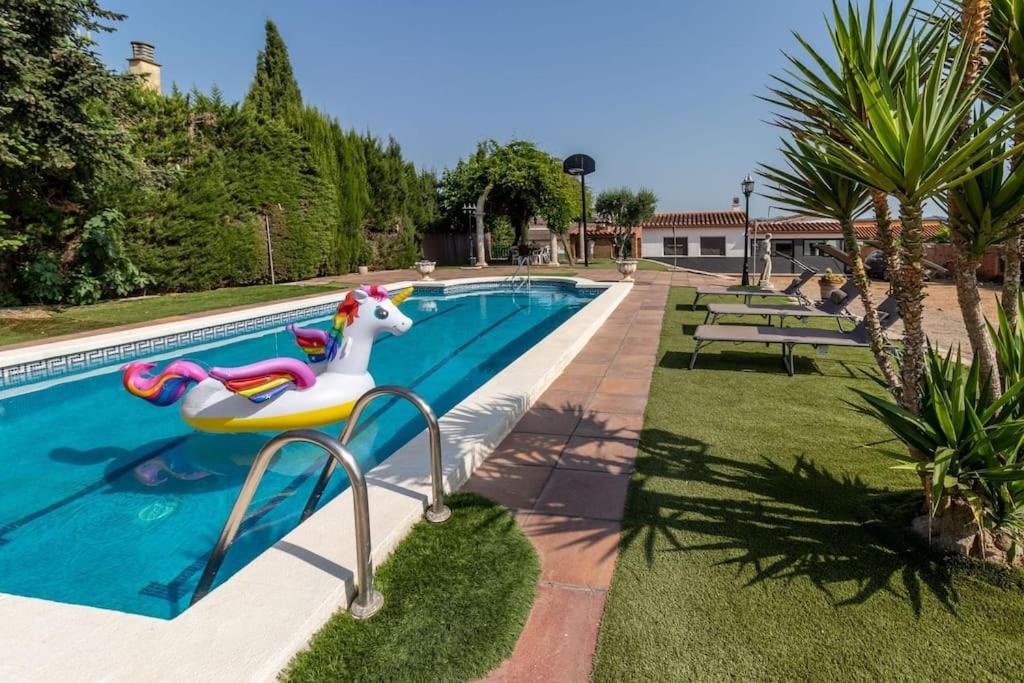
[{"x": 86, "y": 517}]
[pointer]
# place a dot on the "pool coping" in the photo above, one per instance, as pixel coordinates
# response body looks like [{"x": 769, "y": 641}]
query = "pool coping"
[{"x": 251, "y": 626}]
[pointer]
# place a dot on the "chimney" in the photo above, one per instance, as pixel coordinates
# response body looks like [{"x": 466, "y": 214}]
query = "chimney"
[
  {"x": 143, "y": 65},
  {"x": 736, "y": 204}
]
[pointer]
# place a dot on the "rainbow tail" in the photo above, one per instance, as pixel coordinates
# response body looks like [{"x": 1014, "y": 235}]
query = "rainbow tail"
[{"x": 165, "y": 388}]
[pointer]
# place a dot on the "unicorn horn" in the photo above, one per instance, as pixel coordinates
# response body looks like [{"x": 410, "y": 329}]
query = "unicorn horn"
[{"x": 397, "y": 299}]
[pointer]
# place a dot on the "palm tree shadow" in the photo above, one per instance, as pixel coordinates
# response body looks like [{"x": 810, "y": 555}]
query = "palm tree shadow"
[{"x": 780, "y": 523}]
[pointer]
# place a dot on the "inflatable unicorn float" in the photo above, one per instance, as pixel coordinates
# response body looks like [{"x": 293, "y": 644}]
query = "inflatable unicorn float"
[{"x": 282, "y": 393}]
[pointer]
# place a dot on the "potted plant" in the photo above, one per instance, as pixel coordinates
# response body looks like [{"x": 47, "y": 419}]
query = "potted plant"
[
  {"x": 627, "y": 266},
  {"x": 425, "y": 268},
  {"x": 365, "y": 256},
  {"x": 830, "y": 282}
]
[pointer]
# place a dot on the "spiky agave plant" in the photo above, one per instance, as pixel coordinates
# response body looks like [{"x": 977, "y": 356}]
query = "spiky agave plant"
[
  {"x": 809, "y": 186},
  {"x": 968, "y": 447}
]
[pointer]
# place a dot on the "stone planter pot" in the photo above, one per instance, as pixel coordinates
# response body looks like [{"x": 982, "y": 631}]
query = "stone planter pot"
[
  {"x": 626, "y": 268},
  {"x": 363, "y": 270},
  {"x": 425, "y": 268},
  {"x": 827, "y": 288}
]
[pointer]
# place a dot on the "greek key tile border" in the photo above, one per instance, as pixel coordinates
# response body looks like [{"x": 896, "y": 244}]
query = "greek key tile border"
[
  {"x": 51, "y": 368},
  {"x": 58, "y": 366}
]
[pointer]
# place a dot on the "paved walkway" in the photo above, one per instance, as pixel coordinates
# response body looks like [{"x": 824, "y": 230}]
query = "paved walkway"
[{"x": 565, "y": 470}]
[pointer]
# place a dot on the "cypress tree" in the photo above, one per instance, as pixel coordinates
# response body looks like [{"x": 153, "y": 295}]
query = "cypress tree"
[{"x": 274, "y": 93}]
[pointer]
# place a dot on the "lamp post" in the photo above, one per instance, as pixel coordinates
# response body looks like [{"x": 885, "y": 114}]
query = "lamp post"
[
  {"x": 748, "y": 188},
  {"x": 470, "y": 212},
  {"x": 581, "y": 165}
]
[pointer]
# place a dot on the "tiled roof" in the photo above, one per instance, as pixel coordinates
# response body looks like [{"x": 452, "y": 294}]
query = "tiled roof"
[
  {"x": 865, "y": 228},
  {"x": 732, "y": 218}
]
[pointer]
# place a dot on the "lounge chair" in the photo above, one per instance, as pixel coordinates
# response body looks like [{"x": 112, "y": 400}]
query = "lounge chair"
[
  {"x": 830, "y": 308},
  {"x": 789, "y": 337},
  {"x": 792, "y": 291}
]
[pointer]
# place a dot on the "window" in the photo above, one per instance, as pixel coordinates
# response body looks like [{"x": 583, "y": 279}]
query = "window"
[
  {"x": 712, "y": 246},
  {"x": 674, "y": 246},
  {"x": 814, "y": 251}
]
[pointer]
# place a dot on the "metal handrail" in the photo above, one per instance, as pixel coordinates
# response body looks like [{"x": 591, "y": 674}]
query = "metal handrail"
[
  {"x": 515, "y": 284},
  {"x": 367, "y": 600},
  {"x": 437, "y": 512}
]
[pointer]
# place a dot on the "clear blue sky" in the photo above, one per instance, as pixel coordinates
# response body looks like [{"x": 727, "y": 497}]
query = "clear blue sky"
[{"x": 661, "y": 94}]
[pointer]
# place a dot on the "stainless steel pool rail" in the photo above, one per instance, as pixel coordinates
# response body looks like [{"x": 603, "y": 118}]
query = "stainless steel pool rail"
[
  {"x": 517, "y": 280},
  {"x": 437, "y": 512},
  {"x": 367, "y": 600}
]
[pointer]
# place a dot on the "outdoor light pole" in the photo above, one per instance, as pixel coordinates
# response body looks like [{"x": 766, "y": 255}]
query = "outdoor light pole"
[
  {"x": 581, "y": 165},
  {"x": 470, "y": 212},
  {"x": 748, "y": 188}
]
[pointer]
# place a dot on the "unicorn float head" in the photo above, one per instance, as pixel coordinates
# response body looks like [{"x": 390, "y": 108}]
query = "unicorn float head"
[{"x": 282, "y": 393}]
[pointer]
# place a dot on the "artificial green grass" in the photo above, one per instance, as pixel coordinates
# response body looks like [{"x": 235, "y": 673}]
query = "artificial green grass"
[
  {"x": 763, "y": 541},
  {"x": 56, "y": 321},
  {"x": 456, "y": 598}
]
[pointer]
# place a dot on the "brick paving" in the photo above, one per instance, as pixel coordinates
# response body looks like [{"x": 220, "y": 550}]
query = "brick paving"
[{"x": 564, "y": 470}]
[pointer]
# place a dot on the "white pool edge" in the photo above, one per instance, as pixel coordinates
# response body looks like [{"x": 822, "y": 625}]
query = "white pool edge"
[{"x": 250, "y": 627}]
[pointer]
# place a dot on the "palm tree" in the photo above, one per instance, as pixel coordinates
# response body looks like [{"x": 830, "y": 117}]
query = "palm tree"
[
  {"x": 809, "y": 186},
  {"x": 912, "y": 148}
]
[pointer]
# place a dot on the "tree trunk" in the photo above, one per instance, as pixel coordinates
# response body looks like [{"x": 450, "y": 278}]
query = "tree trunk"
[
  {"x": 554, "y": 249},
  {"x": 891, "y": 249},
  {"x": 911, "y": 304},
  {"x": 568, "y": 252},
  {"x": 870, "y": 315},
  {"x": 1011, "y": 279},
  {"x": 965, "y": 274},
  {"x": 481, "y": 248}
]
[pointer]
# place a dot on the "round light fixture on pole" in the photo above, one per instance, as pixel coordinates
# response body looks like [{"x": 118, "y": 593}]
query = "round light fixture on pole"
[
  {"x": 581, "y": 165},
  {"x": 748, "y": 188}
]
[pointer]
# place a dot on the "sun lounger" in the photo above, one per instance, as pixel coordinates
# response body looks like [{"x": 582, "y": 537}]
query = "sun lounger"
[
  {"x": 790, "y": 337},
  {"x": 830, "y": 308},
  {"x": 792, "y": 291}
]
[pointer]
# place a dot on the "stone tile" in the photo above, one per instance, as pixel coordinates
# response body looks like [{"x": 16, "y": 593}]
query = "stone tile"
[
  {"x": 585, "y": 383},
  {"x": 599, "y": 454},
  {"x": 573, "y": 550},
  {"x": 639, "y": 359},
  {"x": 610, "y": 425},
  {"x": 517, "y": 487},
  {"x": 559, "y": 639},
  {"x": 630, "y": 370},
  {"x": 580, "y": 369},
  {"x": 617, "y": 403},
  {"x": 595, "y": 355},
  {"x": 576, "y": 493},
  {"x": 523, "y": 448},
  {"x": 557, "y": 422},
  {"x": 563, "y": 400},
  {"x": 625, "y": 386}
]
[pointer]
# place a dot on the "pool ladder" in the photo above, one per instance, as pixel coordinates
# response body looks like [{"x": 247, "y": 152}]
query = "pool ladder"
[
  {"x": 368, "y": 600},
  {"x": 517, "y": 280}
]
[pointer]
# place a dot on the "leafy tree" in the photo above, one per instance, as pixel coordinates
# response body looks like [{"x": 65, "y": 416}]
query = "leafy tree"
[
  {"x": 60, "y": 145},
  {"x": 625, "y": 210},
  {"x": 516, "y": 180}
]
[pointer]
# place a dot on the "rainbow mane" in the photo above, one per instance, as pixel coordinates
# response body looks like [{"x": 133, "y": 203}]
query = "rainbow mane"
[{"x": 165, "y": 388}]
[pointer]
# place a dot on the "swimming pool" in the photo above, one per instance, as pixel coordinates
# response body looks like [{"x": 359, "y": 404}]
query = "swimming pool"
[{"x": 112, "y": 502}]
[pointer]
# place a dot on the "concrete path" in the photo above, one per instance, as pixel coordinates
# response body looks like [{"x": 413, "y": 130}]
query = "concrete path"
[{"x": 565, "y": 470}]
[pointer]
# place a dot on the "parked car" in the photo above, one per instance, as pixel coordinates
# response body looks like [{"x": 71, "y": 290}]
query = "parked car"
[{"x": 875, "y": 266}]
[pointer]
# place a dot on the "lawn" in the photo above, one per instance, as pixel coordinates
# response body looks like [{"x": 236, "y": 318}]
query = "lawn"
[
  {"x": 456, "y": 597},
  {"x": 762, "y": 540},
  {"x": 22, "y": 325}
]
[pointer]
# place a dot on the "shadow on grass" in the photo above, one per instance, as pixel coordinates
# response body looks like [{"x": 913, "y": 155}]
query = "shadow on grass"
[{"x": 779, "y": 523}]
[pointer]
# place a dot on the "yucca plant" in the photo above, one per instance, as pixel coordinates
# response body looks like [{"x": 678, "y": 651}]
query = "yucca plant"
[
  {"x": 808, "y": 186},
  {"x": 911, "y": 149},
  {"x": 968, "y": 448},
  {"x": 1009, "y": 343},
  {"x": 814, "y": 91}
]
